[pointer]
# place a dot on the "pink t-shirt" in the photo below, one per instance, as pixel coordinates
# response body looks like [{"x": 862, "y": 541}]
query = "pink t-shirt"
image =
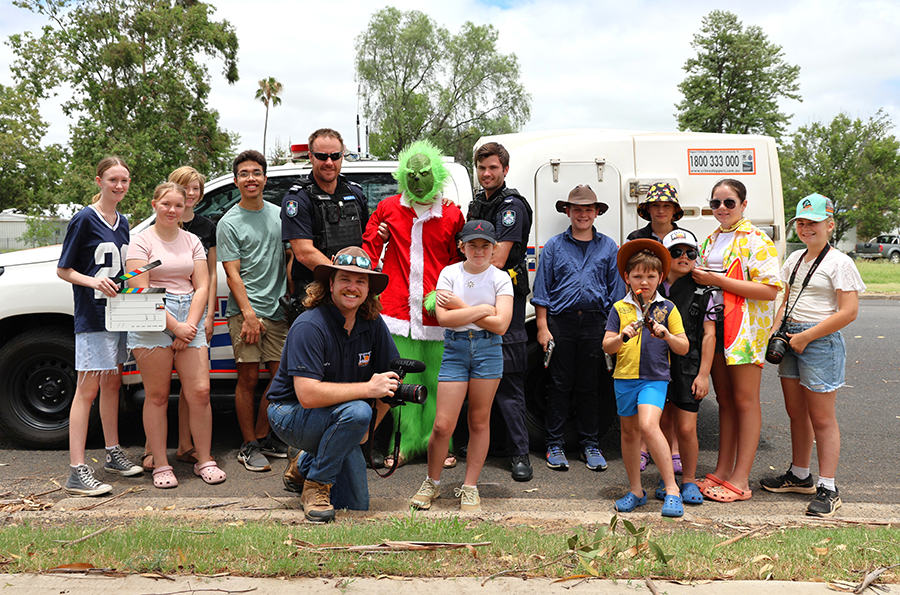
[{"x": 177, "y": 257}]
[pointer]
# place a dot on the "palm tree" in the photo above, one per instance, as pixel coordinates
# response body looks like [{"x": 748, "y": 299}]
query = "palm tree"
[{"x": 268, "y": 92}]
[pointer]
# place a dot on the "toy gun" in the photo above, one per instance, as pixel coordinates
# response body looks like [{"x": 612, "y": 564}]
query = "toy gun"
[{"x": 644, "y": 321}]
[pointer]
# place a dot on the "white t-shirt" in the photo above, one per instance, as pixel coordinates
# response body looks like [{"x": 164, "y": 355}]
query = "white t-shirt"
[
  {"x": 475, "y": 290},
  {"x": 819, "y": 300},
  {"x": 716, "y": 261}
]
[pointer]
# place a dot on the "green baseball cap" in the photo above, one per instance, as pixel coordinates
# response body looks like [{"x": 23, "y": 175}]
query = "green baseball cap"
[{"x": 814, "y": 207}]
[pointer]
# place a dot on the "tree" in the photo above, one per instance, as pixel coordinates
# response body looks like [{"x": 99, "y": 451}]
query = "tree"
[
  {"x": 28, "y": 171},
  {"x": 855, "y": 163},
  {"x": 138, "y": 87},
  {"x": 418, "y": 81},
  {"x": 735, "y": 82},
  {"x": 268, "y": 92}
]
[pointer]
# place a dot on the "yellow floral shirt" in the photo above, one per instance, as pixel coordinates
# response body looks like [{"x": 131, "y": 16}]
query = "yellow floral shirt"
[{"x": 748, "y": 323}]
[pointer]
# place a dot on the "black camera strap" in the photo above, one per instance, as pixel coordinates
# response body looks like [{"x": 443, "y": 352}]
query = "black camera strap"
[
  {"x": 396, "y": 455},
  {"x": 809, "y": 275}
]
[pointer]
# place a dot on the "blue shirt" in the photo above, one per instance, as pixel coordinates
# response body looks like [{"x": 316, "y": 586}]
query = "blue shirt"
[
  {"x": 319, "y": 347},
  {"x": 571, "y": 279}
]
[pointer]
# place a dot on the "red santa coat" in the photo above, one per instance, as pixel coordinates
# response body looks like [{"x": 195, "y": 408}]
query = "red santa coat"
[{"x": 418, "y": 249}]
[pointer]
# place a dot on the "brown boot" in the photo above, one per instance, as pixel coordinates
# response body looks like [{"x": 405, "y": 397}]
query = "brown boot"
[
  {"x": 316, "y": 501},
  {"x": 293, "y": 481}
]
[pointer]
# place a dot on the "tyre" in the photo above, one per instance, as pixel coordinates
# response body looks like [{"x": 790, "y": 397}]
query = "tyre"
[
  {"x": 537, "y": 381},
  {"x": 37, "y": 385},
  {"x": 895, "y": 257}
]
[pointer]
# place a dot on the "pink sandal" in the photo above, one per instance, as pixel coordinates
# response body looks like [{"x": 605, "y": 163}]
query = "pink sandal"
[
  {"x": 209, "y": 472},
  {"x": 164, "y": 478}
]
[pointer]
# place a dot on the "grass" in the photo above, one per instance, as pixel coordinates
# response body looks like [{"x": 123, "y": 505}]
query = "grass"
[
  {"x": 879, "y": 276},
  {"x": 272, "y": 549}
]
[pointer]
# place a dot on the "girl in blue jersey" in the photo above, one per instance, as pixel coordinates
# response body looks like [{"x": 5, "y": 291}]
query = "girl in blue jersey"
[{"x": 94, "y": 250}]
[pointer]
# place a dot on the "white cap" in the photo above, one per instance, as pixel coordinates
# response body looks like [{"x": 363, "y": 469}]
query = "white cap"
[{"x": 680, "y": 236}]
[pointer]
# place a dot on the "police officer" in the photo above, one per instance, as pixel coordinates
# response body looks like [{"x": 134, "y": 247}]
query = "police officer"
[
  {"x": 322, "y": 214},
  {"x": 511, "y": 216}
]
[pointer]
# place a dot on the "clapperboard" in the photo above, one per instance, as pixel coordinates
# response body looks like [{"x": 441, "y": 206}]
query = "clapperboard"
[{"x": 136, "y": 308}]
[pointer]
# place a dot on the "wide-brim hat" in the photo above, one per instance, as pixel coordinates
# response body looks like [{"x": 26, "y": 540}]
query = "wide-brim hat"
[
  {"x": 660, "y": 192},
  {"x": 814, "y": 207},
  {"x": 631, "y": 248},
  {"x": 582, "y": 195},
  {"x": 357, "y": 262}
]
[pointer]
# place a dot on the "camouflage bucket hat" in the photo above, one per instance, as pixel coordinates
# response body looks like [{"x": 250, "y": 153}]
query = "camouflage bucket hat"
[{"x": 661, "y": 192}]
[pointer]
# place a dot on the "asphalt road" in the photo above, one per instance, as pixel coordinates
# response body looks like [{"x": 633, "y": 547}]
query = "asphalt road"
[{"x": 868, "y": 411}]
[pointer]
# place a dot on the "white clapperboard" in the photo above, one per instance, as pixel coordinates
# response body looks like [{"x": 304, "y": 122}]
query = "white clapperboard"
[{"x": 136, "y": 308}]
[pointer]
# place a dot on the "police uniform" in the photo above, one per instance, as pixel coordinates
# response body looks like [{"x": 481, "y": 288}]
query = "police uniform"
[
  {"x": 332, "y": 221},
  {"x": 511, "y": 216}
]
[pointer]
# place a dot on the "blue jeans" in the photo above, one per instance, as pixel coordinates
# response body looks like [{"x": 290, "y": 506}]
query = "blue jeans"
[{"x": 329, "y": 437}]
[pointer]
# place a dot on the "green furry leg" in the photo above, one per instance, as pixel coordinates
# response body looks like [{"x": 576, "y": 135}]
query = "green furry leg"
[{"x": 417, "y": 421}]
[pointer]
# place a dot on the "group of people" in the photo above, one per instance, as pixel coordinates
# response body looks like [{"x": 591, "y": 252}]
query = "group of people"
[{"x": 452, "y": 293}]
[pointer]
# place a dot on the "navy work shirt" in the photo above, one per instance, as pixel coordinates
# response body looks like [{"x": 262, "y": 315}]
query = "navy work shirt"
[
  {"x": 319, "y": 347},
  {"x": 570, "y": 279}
]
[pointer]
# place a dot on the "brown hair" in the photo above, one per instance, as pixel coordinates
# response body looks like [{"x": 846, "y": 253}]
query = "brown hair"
[
  {"x": 167, "y": 187},
  {"x": 318, "y": 293},
  {"x": 186, "y": 174},
  {"x": 105, "y": 164},
  {"x": 488, "y": 149},
  {"x": 644, "y": 260},
  {"x": 322, "y": 132},
  {"x": 735, "y": 185}
]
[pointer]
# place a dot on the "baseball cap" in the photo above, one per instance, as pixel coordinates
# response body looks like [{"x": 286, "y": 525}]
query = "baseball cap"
[
  {"x": 477, "y": 229},
  {"x": 814, "y": 207},
  {"x": 680, "y": 236}
]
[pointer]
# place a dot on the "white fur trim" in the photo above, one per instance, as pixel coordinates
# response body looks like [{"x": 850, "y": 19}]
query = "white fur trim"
[{"x": 396, "y": 326}]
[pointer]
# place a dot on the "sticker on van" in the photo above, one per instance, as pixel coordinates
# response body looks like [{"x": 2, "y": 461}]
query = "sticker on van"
[{"x": 715, "y": 162}]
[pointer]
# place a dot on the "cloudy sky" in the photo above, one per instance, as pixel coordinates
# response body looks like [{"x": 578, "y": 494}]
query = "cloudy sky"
[{"x": 586, "y": 63}]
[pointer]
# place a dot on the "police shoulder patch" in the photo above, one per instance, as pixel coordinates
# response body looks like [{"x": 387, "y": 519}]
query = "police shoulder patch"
[
  {"x": 508, "y": 218},
  {"x": 290, "y": 208}
]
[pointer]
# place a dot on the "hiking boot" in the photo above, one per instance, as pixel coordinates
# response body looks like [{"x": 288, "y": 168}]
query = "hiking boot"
[
  {"x": 293, "y": 480},
  {"x": 428, "y": 492},
  {"x": 556, "y": 458},
  {"x": 252, "y": 457},
  {"x": 117, "y": 462},
  {"x": 521, "y": 468},
  {"x": 316, "y": 502},
  {"x": 469, "y": 499},
  {"x": 789, "y": 483},
  {"x": 593, "y": 458},
  {"x": 81, "y": 482},
  {"x": 825, "y": 502},
  {"x": 272, "y": 446}
]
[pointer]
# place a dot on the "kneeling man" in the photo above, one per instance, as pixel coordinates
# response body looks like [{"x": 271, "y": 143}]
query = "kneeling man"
[{"x": 333, "y": 365}]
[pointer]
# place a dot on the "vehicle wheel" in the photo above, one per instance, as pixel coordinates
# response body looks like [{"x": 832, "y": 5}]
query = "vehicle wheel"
[
  {"x": 536, "y": 383},
  {"x": 895, "y": 257},
  {"x": 37, "y": 385}
]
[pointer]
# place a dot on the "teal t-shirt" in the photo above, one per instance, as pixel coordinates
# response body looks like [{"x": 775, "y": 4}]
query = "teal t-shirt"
[{"x": 254, "y": 238}]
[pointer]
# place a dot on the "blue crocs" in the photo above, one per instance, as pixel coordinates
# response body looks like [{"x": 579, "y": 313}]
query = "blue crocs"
[
  {"x": 629, "y": 502},
  {"x": 690, "y": 494},
  {"x": 661, "y": 490},
  {"x": 672, "y": 507}
]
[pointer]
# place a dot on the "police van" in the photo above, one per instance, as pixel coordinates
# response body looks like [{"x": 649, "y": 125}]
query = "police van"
[
  {"x": 37, "y": 341},
  {"x": 620, "y": 166}
]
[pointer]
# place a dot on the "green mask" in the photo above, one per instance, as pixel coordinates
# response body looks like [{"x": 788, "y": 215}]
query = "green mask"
[
  {"x": 422, "y": 174},
  {"x": 419, "y": 179}
]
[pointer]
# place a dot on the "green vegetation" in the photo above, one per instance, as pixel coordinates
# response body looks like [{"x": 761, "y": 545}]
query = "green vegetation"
[
  {"x": 681, "y": 550},
  {"x": 879, "y": 276}
]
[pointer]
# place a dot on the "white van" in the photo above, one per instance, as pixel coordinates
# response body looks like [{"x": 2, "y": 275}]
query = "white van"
[{"x": 620, "y": 166}]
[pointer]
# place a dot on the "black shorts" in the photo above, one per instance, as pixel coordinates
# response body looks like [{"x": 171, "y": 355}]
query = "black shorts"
[{"x": 679, "y": 394}]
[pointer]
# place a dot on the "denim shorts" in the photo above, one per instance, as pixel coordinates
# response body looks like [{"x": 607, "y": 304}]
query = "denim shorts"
[
  {"x": 632, "y": 392},
  {"x": 820, "y": 367},
  {"x": 101, "y": 350},
  {"x": 178, "y": 306},
  {"x": 471, "y": 354}
]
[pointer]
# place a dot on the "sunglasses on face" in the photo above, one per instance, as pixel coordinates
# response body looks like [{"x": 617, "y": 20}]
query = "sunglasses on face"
[
  {"x": 362, "y": 262},
  {"x": 336, "y": 156},
  {"x": 729, "y": 203},
  {"x": 691, "y": 253}
]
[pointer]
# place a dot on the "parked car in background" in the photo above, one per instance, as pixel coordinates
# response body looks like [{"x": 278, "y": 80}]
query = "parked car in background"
[{"x": 885, "y": 246}]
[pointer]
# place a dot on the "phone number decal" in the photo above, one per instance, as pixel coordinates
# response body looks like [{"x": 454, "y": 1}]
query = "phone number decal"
[{"x": 722, "y": 161}]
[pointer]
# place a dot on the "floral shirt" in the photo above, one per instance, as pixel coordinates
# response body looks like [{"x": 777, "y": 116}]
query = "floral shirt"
[{"x": 751, "y": 256}]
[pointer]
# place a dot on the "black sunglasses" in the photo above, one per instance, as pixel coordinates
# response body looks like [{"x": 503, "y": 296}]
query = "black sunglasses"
[
  {"x": 729, "y": 203},
  {"x": 336, "y": 156},
  {"x": 691, "y": 253},
  {"x": 348, "y": 259}
]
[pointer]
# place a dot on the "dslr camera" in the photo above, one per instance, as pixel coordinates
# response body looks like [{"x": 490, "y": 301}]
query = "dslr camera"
[
  {"x": 779, "y": 344},
  {"x": 406, "y": 393}
]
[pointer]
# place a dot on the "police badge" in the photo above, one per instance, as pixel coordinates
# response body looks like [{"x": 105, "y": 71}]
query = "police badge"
[
  {"x": 291, "y": 208},
  {"x": 508, "y": 218}
]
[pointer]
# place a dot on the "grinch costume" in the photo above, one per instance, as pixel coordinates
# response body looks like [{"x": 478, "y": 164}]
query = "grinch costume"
[{"x": 422, "y": 241}]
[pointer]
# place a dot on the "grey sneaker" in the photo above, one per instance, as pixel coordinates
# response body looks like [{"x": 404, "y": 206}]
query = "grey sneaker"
[
  {"x": 252, "y": 457},
  {"x": 825, "y": 502},
  {"x": 789, "y": 483},
  {"x": 272, "y": 446},
  {"x": 81, "y": 482},
  {"x": 117, "y": 462},
  {"x": 470, "y": 501},
  {"x": 428, "y": 492}
]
